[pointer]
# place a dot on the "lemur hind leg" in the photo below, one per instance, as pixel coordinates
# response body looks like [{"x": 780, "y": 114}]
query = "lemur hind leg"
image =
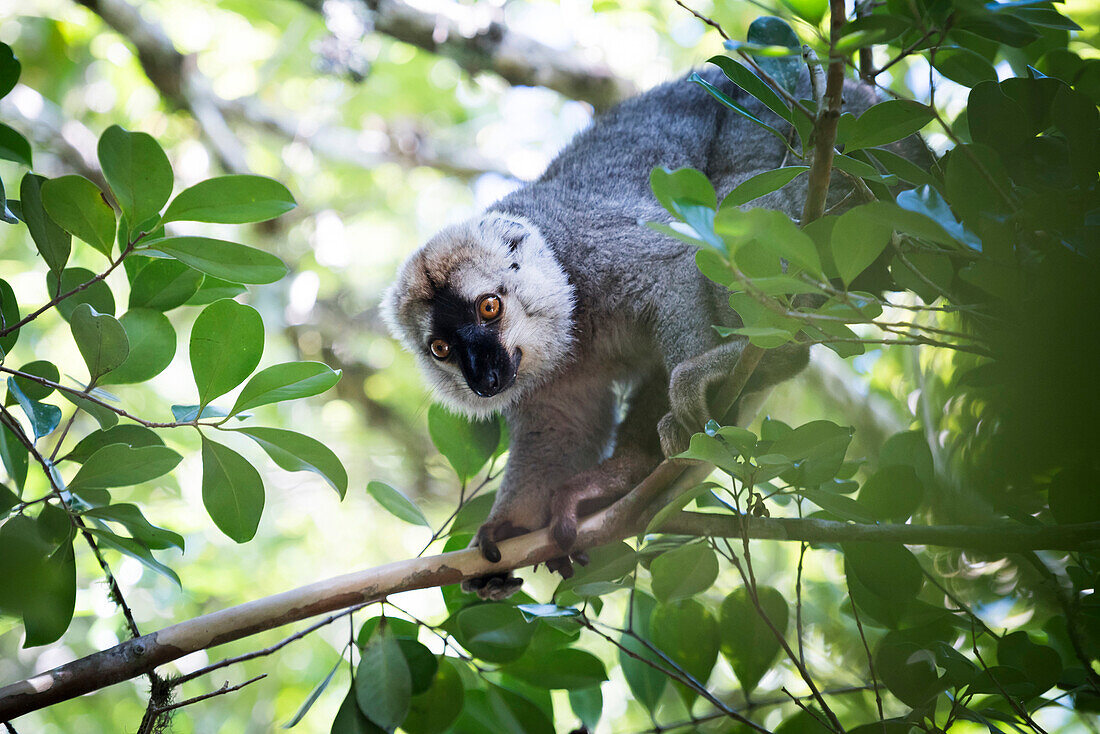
[{"x": 694, "y": 384}]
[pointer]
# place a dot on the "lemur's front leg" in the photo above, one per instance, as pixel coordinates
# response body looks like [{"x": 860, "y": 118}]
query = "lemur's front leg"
[{"x": 556, "y": 434}]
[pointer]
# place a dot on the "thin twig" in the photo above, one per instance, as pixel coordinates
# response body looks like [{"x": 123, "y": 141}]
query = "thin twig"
[
  {"x": 226, "y": 688},
  {"x": 870, "y": 663},
  {"x": 267, "y": 650}
]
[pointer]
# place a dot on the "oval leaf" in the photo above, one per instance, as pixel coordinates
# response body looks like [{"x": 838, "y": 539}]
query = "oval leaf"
[
  {"x": 101, "y": 339},
  {"x": 858, "y": 238},
  {"x": 227, "y": 341},
  {"x": 683, "y": 572},
  {"x": 288, "y": 381},
  {"x": 119, "y": 465},
  {"x": 152, "y": 346},
  {"x": 234, "y": 199},
  {"x": 295, "y": 452},
  {"x": 565, "y": 668},
  {"x": 466, "y": 444},
  {"x": 232, "y": 491},
  {"x": 222, "y": 259},
  {"x": 397, "y": 504},
  {"x": 747, "y": 641},
  {"x": 52, "y": 241},
  {"x": 383, "y": 685},
  {"x": 138, "y": 172},
  {"x": 78, "y": 207},
  {"x": 164, "y": 284},
  {"x": 887, "y": 122}
]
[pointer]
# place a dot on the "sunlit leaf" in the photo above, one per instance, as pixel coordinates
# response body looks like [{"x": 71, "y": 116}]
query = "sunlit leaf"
[
  {"x": 382, "y": 681},
  {"x": 288, "y": 381},
  {"x": 78, "y": 207},
  {"x": 227, "y": 341},
  {"x": 232, "y": 491},
  {"x": 101, "y": 339},
  {"x": 294, "y": 451},
  {"x": 234, "y": 199},
  {"x": 138, "y": 172},
  {"x": 120, "y": 465},
  {"x": 397, "y": 504},
  {"x": 222, "y": 259}
]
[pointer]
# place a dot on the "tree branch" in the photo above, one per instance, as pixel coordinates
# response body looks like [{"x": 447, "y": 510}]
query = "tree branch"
[
  {"x": 515, "y": 57},
  {"x": 136, "y": 657}
]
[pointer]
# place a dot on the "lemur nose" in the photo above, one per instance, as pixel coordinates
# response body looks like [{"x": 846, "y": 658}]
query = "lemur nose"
[{"x": 492, "y": 380}]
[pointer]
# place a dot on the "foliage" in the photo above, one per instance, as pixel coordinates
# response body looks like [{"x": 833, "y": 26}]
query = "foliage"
[{"x": 964, "y": 289}]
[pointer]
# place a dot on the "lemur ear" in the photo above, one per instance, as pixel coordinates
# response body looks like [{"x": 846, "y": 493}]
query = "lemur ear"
[{"x": 512, "y": 232}]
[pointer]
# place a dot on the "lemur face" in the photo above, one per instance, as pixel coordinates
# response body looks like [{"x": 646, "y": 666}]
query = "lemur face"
[{"x": 487, "y": 310}]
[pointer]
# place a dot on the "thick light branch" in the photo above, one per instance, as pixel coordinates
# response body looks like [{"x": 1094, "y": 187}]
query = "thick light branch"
[
  {"x": 493, "y": 47},
  {"x": 136, "y": 657}
]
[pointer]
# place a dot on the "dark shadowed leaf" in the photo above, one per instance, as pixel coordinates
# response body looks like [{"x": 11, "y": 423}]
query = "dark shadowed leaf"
[
  {"x": 232, "y": 491},
  {"x": 892, "y": 493},
  {"x": 496, "y": 633},
  {"x": 9, "y": 316},
  {"x": 227, "y": 341},
  {"x": 382, "y": 681},
  {"x": 422, "y": 664},
  {"x": 688, "y": 634},
  {"x": 683, "y": 572},
  {"x": 768, "y": 30},
  {"x": 9, "y": 69},
  {"x": 101, "y": 339},
  {"x": 747, "y": 640},
  {"x": 294, "y": 451},
  {"x": 138, "y": 172},
  {"x": 223, "y": 259},
  {"x": 587, "y": 704},
  {"x": 964, "y": 66},
  {"x": 39, "y": 368},
  {"x": 466, "y": 444},
  {"x": 646, "y": 683},
  {"x": 907, "y": 669},
  {"x": 857, "y": 240},
  {"x": 350, "y": 720},
  {"x": 745, "y": 78},
  {"x": 78, "y": 207},
  {"x": 397, "y": 504},
  {"x": 15, "y": 456},
  {"x": 152, "y": 343},
  {"x": 434, "y": 710},
  {"x": 49, "y": 607},
  {"x": 234, "y": 199},
  {"x": 288, "y": 381},
  {"x": 884, "y": 569},
  {"x": 564, "y": 668}
]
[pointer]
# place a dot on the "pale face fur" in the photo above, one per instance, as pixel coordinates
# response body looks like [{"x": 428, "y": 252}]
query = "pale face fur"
[{"x": 490, "y": 254}]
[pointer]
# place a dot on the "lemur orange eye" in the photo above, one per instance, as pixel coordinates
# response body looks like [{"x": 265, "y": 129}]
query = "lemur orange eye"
[
  {"x": 440, "y": 349},
  {"x": 489, "y": 307}
]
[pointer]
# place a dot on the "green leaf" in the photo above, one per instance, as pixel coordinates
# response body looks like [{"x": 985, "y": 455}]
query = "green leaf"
[
  {"x": 886, "y": 122},
  {"x": 382, "y": 681},
  {"x": 314, "y": 695},
  {"x": 9, "y": 69},
  {"x": 287, "y": 381},
  {"x": 44, "y": 418},
  {"x": 48, "y": 609},
  {"x": 1000, "y": 27},
  {"x": 646, "y": 683},
  {"x": 9, "y": 316},
  {"x": 79, "y": 207},
  {"x": 768, "y": 30},
  {"x": 15, "y": 457},
  {"x": 401, "y": 628},
  {"x": 728, "y": 101},
  {"x": 687, "y": 633},
  {"x": 120, "y": 465},
  {"x": 858, "y": 239},
  {"x": 587, "y": 704},
  {"x": 927, "y": 202},
  {"x": 864, "y": 170},
  {"x": 131, "y": 518},
  {"x": 188, "y": 413},
  {"x": 745, "y": 78},
  {"x": 14, "y": 147},
  {"x": 350, "y": 720},
  {"x": 422, "y": 664},
  {"x": 963, "y": 66},
  {"x": 901, "y": 167},
  {"x": 134, "y": 549},
  {"x": 817, "y": 448},
  {"x": 138, "y": 172},
  {"x": 531, "y": 612},
  {"x": 811, "y": 11},
  {"x": 1040, "y": 664},
  {"x": 296, "y": 452},
  {"x": 674, "y": 507},
  {"x": 467, "y": 444},
  {"x": 105, "y": 417},
  {"x": 843, "y": 507},
  {"x": 152, "y": 346},
  {"x": 227, "y": 341},
  {"x": 884, "y": 569},
  {"x": 38, "y": 368},
  {"x": 683, "y": 572},
  {"x": 397, "y": 504},
  {"x": 97, "y": 295},
  {"x": 232, "y": 491},
  {"x": 762, "y": 184},
  {"x": 222, "y": 259},
  {"x": 907, "y": 669},
  {"x": 606, "y": 563},
  {"x": 495, "y": 633},
  {"x": 565, "y": 668},
  {"x": 215, "y": 289},
  {"x": 747, "y": 640},
  {"x": 101, "y": 339},
  {"x": 53, "y": 242},
  {"x": 892, "y": 493},
  {"x": 164, "y": 284},
  {"x": 683, "y": 184},
  {"x": 235, "y": 199},
  {"x": 776, "y": 232},
  {"x": 433, "y": 711}
]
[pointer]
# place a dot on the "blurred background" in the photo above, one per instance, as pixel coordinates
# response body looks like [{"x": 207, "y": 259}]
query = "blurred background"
[{"x": 386, "y": 124}]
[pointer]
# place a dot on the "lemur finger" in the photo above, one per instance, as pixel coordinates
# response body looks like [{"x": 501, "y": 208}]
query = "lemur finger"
[
  {"x": 580, "y": 557},
  {"x": 489, "y": 549},
  {"x": 561, "y": 566}
]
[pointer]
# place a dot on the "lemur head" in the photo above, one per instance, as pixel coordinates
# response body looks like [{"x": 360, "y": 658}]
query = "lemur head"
[{"x": 487, "y": 310}]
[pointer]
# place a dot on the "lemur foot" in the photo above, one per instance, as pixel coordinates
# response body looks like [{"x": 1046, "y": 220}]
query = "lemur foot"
[
  {"x": 564, "y": 564},
  {"x": 493, "y": 587},
  {"x": 674, "y": 437}
]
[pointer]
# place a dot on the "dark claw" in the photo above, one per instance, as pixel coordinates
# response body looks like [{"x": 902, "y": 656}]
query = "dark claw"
[
  {"x": 561, "y": 566},
  {"x": 580, "y": 557},
  {"x": 489, "y": 550}
]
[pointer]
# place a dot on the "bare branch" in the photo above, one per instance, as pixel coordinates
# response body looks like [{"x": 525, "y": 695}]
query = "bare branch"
[
  {"x": 226, "y": 688},
  {"x": 493, "y": 47}
]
